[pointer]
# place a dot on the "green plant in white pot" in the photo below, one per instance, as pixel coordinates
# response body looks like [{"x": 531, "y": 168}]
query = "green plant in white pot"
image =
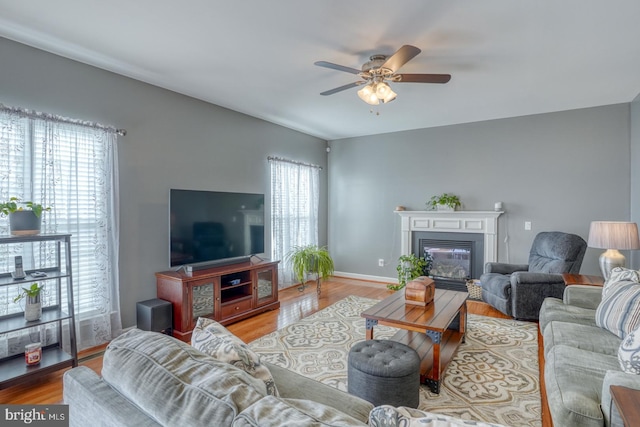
[
  {"x": 24, "y": 217},
  {"x": 444, "y": 202},
  {"x": 33, "y": 303},
  {"x": 310, "y": 259}
]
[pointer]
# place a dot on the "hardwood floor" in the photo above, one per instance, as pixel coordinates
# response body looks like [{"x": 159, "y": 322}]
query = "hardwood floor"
[{"x": 294, "y": 305}]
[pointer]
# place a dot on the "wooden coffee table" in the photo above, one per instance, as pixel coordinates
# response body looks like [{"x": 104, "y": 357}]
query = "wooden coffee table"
[{"x": 430, "y": 330}]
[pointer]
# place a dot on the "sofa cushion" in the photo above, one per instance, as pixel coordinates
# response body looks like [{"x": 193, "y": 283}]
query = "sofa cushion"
[
  {"x": 619, "y": 274},
  {"x": 275, "y": 412},
  {"x": 585, "y": 337},
  {"x": 386, "y": 415},
  {"x": 211, "y": 338},
  {"x": 585, "y": 296},
  {"x": 573, "y": 380},
  {"x": 294, "y": 386},
  {"x": 554, "y": 309},
  {"x": 176, "y": 384},
  {"x": 629, "y": 353},
  {"x": 619, "y": 310}
]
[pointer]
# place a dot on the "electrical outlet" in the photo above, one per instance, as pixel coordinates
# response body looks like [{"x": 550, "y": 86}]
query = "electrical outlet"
[
  {"x": 527, "y": 225},
  {"x": 380, "y": 262}
]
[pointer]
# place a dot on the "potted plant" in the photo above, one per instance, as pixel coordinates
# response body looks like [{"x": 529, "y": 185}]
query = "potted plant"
[
  {"x": 24, "y": 217},
  {"x": 409, "y": 267},
  {"x": 33, "y": 304},
  {"x": 311, "y": 259},
  {"x": 444, "y": 202}
]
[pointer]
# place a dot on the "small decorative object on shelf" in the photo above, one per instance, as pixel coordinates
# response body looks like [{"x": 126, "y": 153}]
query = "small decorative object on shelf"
[
  {"x": 32, "y": 305},
  {"x": 420, "y": 291},
  {"x": 444, "y": 202},
  {"x": 33, "y": 353}
]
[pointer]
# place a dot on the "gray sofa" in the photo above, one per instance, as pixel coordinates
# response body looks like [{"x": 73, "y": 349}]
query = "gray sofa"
[
  {"x": 149, "y": 379},
  {"x": 581, "y": 361}
]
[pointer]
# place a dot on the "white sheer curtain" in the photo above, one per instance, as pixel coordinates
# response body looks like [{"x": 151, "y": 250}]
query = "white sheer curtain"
[
  {"x": 70, "y": 166},
  {"x": 294, "y": 211}
]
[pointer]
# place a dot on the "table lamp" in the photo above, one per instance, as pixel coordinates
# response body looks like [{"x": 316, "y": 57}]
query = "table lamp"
[{"x": 612, "y": 236}]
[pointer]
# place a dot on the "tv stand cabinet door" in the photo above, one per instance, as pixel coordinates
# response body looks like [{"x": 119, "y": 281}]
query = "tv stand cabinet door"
[
  {"x": 204, "y": 300},
  {"x": 265, "y": 282}
]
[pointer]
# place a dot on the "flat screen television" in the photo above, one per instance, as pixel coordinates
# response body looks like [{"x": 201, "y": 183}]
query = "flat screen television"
[{"x": 214, "y": 227}]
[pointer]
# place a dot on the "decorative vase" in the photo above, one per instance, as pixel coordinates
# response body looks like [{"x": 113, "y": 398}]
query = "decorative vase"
[
  {"x": 32, "y": 308},
  {"x": 445, "y": 208},
  {"x": 24, "y": 223}
]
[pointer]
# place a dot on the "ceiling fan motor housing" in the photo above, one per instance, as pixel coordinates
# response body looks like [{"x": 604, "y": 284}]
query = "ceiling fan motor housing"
[{"x": 373, "y": 67}]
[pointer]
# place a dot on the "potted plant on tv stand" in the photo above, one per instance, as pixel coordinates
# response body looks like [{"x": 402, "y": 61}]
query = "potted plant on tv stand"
[
  {"x": 25, "y": 218},
  {"x": 311, "y": 259}
]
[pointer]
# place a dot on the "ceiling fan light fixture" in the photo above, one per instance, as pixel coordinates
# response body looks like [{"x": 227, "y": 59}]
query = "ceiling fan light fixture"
[
  {"x": 388, "y": 94},
  {"x": 378, "y": 71},
  {"x": 382, "y": 89},
  {"x": 368, "y": 95}
]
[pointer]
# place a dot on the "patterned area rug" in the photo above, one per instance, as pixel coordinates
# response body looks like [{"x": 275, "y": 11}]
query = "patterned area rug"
[{"x": 493, "y": 377}]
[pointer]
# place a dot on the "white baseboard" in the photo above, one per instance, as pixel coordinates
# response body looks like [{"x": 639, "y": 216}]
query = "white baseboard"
[{"x": 365, "y": 277}]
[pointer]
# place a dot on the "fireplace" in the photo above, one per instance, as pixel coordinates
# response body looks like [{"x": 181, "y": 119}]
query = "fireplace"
[
  {"x": 456, "y": 257},
  {"x": 478, "y": 227}
]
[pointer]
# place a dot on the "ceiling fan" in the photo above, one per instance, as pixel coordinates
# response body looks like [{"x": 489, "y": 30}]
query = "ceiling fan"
[{"x": 379, "y": 71}]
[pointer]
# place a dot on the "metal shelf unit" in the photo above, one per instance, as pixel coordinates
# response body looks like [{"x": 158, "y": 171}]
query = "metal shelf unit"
[{"x": 55, "y": 355}]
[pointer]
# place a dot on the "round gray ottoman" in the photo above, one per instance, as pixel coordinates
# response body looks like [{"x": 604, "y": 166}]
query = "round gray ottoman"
[{"x": 384, "y": 372}]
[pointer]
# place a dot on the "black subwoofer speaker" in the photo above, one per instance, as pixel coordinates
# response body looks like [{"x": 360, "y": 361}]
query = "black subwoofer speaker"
[{"x": 155, "y": 315}]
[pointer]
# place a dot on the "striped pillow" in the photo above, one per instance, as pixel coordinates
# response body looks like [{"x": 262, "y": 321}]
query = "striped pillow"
[{"x": 619, "y": 310}]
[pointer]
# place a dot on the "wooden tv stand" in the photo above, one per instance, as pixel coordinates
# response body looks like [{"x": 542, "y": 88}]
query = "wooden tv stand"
[{"x": 225, "y": 294}]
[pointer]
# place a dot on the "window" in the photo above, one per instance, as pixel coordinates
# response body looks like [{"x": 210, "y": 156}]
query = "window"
[
  {"x": 294, "y": 211},
  {"x": 71, "y": 167}
]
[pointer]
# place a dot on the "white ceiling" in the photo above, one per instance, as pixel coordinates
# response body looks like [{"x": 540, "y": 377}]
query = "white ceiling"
[{"x": 507, "y": 58}]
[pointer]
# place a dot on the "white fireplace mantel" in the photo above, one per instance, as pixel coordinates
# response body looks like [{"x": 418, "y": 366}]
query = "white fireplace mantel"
[{"x": 483, "y": 222}]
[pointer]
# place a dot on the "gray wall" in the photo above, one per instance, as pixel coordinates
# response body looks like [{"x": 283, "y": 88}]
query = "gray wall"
[
  {"x": 173, "y": 141},
  {"x": 560, "y": 171},
  {"x": 635, "y": 170}
]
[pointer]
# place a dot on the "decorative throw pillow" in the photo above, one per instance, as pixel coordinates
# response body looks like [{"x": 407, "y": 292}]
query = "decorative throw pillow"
[
  {"x": 619, "y": 310},
  {"x": 386, "y": 415},
  {"x": 619, "y": 274},
  {"x": 212, "y": 338},
  {"x": 629, "y": 353}
]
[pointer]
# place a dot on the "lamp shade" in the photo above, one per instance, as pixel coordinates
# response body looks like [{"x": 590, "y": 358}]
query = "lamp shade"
[{"x": 613, "y": 235}]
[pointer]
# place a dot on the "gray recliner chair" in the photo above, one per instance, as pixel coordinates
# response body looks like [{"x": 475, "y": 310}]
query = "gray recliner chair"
[{"x": 518, "y": 290}]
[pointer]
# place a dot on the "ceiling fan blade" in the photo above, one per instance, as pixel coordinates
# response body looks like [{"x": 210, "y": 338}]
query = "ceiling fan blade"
[
  {"x": 422, "y": 78},
  {"x": 403, "y": 55},
  {"x": 337, "y": 67},
  {"x": 341, "y": 88}
]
